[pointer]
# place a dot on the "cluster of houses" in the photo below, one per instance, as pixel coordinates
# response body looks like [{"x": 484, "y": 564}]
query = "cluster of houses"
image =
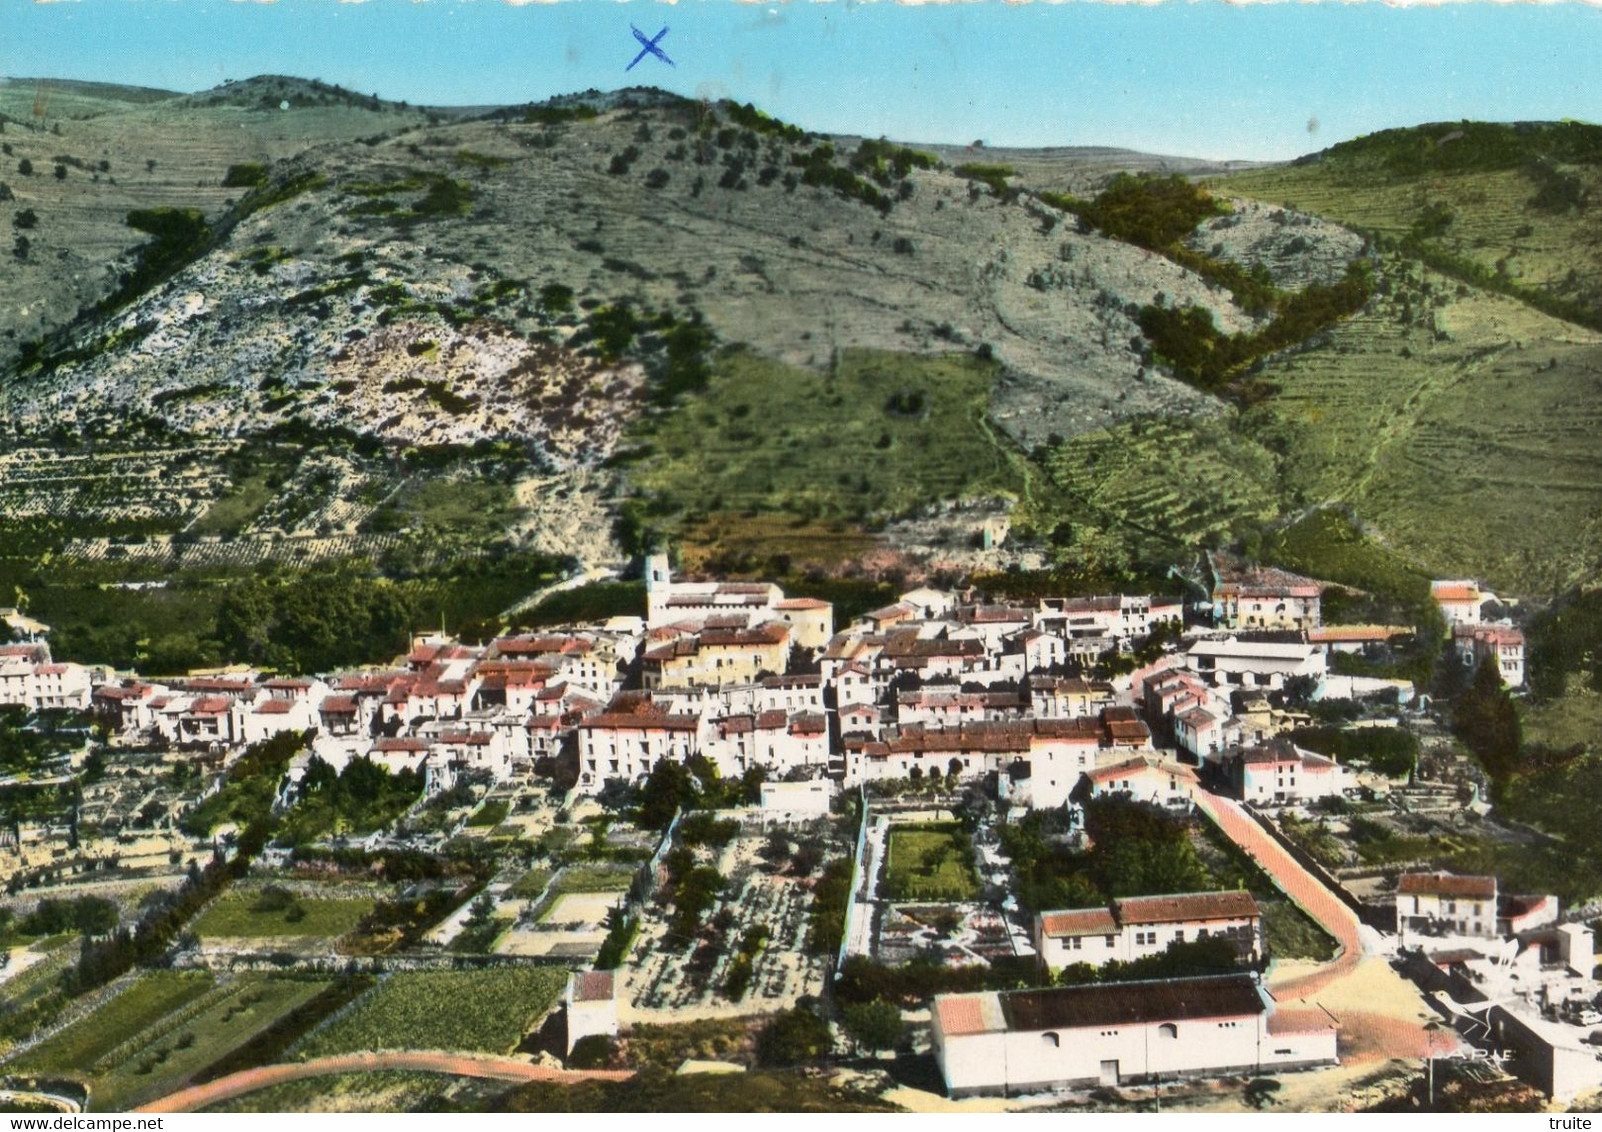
[{"x": 938, "y": 684}]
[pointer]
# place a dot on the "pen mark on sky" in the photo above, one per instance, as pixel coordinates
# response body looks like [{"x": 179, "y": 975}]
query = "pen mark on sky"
[{"x": 650, "y": 47}]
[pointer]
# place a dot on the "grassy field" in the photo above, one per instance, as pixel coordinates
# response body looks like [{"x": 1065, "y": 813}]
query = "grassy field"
[
  {"x": 235, "y": 914},
  {"x": 1574, "y": 719},
  {"x": 1289, "y": 933},
  {"x": 90, "y": 1039},
  {"x": 488, "y": 1011},
  {"x": 530, "y": 884},
  {"x": 176, "y": 1026},
  {"x": 878, "y": 434},
  {"x": 929, "y": 863}
]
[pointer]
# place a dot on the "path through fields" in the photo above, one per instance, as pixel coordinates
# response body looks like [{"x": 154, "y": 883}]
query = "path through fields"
[{"x": 456, "y": 1064}]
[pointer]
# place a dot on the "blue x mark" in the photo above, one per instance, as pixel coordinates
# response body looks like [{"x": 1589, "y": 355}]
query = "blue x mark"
[{"x": 650, "y": 47}]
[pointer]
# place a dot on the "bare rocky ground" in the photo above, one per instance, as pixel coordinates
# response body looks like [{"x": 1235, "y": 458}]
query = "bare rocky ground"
[
  {"x": 351, "y": 306},
  {"x": 797, "y": 274},
  {"x": 1299, "y": 250}
]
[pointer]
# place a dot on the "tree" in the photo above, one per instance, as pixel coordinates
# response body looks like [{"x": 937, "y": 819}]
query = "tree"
[
  {"x": 873, "y": 1026},
  {"x": 61, "y": 172},
  {"x": 669, "y": 788},
  {"x": 21, "y": 248},
  {"x": 797, "y": 1037},
  {"x": 25, "y": 167},
  {"x": 1485, "y": 718},
  {"x": 25, "y": 219}
]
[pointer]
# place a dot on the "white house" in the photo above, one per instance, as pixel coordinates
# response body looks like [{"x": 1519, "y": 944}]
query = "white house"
[
  {"x": 1436, "y": 904},
  {"x": 1138, "y": 926},
  {"x": 1503, "y": 642},
  {"x": 1252, "y": 664},
  {"x": 1110, "y": 1034},
  {"x": 1278, "y": 771},
  {"x": 590, "y": 1003},
  {"x": 1460, "y": 600}
]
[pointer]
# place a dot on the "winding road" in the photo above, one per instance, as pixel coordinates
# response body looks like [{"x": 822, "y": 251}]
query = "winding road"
[
  {"x": 455, "y": 1064},
  {"x": 1359, "y": 973}
]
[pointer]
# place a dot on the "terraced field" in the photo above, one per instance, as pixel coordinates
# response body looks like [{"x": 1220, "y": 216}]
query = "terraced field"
[
  {"x": 1462, "y": 425},
  {"x": 487, "y": 1011},
  {"x": 1164, "y": 484},
  {"x": 167, "y": 1027}
]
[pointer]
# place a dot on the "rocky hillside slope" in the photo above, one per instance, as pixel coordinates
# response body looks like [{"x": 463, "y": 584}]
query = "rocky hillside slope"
[{"x": 438, "y": 282}]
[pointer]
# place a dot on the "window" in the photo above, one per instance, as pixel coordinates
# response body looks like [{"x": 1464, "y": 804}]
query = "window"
[
  {"x": 1107, "y": 940},
  {"x": 1075, "y": 943}
]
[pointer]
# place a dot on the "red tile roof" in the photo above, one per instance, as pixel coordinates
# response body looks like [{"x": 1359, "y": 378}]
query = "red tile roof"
[
  {"x": 592, "y": 986},
  {"x": 1077, "y": 922},
  {"x": 961, "y": 1014},
  {"x": 1186, "y": 906},
  {"x": 1446, "y": 884}
]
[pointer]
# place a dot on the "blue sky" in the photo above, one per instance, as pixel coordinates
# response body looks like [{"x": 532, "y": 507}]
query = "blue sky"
[{"x": 1204, "y": 78}]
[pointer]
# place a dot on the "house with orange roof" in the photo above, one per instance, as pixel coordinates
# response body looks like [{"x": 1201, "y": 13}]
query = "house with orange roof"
[
  {"x": 1137, "y": 926},
  {"x": 1460, "y": 599}
]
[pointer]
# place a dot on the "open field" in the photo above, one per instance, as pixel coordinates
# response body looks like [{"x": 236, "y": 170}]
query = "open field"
[
  {"x": 171, "y": 1027},
  {"x": 929, "y": 863},
  {"x": 236, "y": 915},
  {"x": 488, "y": 1011}
]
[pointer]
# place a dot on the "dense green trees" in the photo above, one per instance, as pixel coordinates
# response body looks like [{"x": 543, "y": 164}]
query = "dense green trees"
[
  {"x": 873, "y": 1026},
  {"x": 1137, "y": 849},
  {"x": 314, "y": 622},
  {"x": 1487, "y": 721},
  {"x": 796, "y": 1037}
]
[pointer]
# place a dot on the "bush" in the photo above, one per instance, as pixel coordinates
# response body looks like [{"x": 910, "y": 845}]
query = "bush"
[
  {"x": 593, "y": 1051},
  {"x": 875, "y": 1025},
  {"x": 797, "y": 1037}
]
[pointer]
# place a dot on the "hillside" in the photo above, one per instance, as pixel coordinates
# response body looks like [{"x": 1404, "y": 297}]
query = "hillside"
[
  {"x": 1510, "y": 207},
  {"x": 119, "y": 149},
  {"x": 291, "y": 327}
]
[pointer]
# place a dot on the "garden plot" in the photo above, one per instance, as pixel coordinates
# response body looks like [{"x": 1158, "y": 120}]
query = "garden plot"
[
  {"x": 281, "y": 919},
  {"x": 163, "y": 1030},
  {"x": 487, "y": 1011},
  {"x": 568, "y": 917}
]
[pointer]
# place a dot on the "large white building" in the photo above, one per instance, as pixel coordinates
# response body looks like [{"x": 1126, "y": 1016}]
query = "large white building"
[
  {"x": 1138, "y": 926},
  {"x": 1012, "y": 1042}
]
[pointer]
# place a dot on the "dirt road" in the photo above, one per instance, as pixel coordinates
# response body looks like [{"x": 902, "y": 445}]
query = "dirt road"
[{"x": 456, "y": 1064}]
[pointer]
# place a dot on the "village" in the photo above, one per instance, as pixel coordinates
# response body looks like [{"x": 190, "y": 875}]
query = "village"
[{"x": 1065, "y": 847}]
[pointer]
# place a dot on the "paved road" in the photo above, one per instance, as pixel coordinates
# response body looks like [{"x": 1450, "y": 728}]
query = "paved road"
[
  {"x": 1327, "y": 909},
  {"x": 455, "y": 1064},
  {"x": 1384, "y": 1032}
]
